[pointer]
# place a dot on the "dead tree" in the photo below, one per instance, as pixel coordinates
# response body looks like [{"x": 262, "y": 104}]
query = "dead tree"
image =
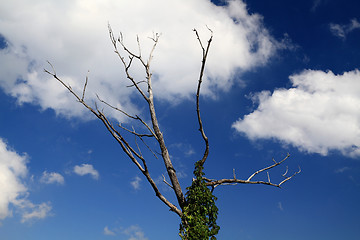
[{"x": 132, "y": 150}]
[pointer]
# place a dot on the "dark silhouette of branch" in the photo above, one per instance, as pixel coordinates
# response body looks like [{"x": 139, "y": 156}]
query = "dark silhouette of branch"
[{"x": 201, "y": 128}]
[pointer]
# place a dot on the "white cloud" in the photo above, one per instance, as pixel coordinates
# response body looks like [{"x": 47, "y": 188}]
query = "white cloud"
[
  {"x": 342, "y": 170},
  {"x": 187, "y": 149},
  {"x": 342, "y": 30},
  {"x": 108, "y": 232},
  {"x": 135, "y": 233},
  {"x": 35, "y": 211},
  {"x": 85, "y": 169},
  {"x": 52, "y": 177},
  {"x": 280, "y": 206},
  {"x": 136, "y": 183},
  {"x": 316, "y": 4},
  {"x": 320, "y": 113},
  {"x": 73, "y": 36},
  {"x": 12, "y": 170},
  {"x": 13, "y": 191}
]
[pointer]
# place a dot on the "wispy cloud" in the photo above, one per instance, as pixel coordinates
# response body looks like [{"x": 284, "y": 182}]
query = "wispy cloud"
[
  {"x": 13, "y": 190},
  {"x": 134, "y": 232},
  {"x": 52, "y": 177},
  {"x": 35, "y": 211},
  {"x": 185, "y": 148},
  {"x": 280, "y": 206},
  {"x": 108, "y": 232},
  {"x": 341, "y": 170},
  {"x": 135, "y": 183},
  {"x": 320, "y": 113},
  {"x": 342, "y": 31},
  {"x": 316, "y": 4},
  {"x": 86, "y": 169}
]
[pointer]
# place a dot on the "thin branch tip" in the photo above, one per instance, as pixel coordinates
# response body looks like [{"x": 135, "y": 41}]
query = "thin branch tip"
[
  {"x": 234, "y": 180},
  {"x": 53, "y": 69}
]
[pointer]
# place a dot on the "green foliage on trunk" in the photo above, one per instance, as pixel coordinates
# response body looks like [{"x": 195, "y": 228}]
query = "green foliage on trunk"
[{"x": 200, "y": 211}]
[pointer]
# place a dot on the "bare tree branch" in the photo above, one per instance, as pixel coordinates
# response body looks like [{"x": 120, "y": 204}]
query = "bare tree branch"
[
  {"x": 269, "y": 167},
  {"x": 160, "y": 138},
  {"x": 133, "y": 150},
  {"x": 115, "y": 108},
  {"x": 125, "y": 146},
  {"x": 133, "y": 85},
  {"x": 86, "y": 81},
  {"x": 150, "y": 100},
  {"x": 134, "y": 132},
  {"x": 201, "y": 128},
  {"x": 137, "y": 145},
  {"x": 148, "y": 148},
  {"x": 164, "y": 180},
  {"x": 232, "y": 181},
  {"x": 126, "y": 65},
  {"x": 154, "y": 129},
  {"x": 288, "y": 178},
  {"x": 136, "y": 117}
]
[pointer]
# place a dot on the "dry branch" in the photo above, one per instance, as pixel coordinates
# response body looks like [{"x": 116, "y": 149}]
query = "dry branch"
[
  {"x": 201, "y": 128},
  {"x": 133, "y": 155},
  {"x": 127, "y": 58},
  {"x": 234, "y": 180}
]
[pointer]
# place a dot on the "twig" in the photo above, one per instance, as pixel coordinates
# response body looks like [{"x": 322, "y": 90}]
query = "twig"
[
  {"x": 149, "y": 148},
  {"x": 137, "y": 144},
  {"x": 287, "y": 168},
  {"x": 269, "y": 167},
  {"x": 164, "y": 180},
  {"x": 86, "y": 81},
  {"x": 115, "y": 108},
  {"x": 133, "y": 85},
  {"x": 135, "y": 133},
  {"x": 288, "y": 178}
]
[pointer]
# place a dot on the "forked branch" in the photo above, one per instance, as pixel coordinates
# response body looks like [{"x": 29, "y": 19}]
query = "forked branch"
[
  {"x": 234, "y": 180},
  {"x": 149, "y": 98},
  {"x": 127, "y": 58},
  {"x": 205, "y": 52},
  {"x": 133, "y": 154}
]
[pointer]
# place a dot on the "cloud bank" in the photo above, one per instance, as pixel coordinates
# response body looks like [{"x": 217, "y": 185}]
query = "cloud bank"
[
  {"x": 320, "y": 113},
  {"x": 13, "y": 191},
  {"x": 73, "y": 36}
]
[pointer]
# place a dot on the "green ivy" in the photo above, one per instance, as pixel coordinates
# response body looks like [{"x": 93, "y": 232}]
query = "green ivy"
[{"x": 200, "y": 212}]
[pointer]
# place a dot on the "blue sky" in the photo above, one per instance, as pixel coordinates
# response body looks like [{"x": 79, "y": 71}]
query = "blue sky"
[{"x": 281, "y": 78}]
